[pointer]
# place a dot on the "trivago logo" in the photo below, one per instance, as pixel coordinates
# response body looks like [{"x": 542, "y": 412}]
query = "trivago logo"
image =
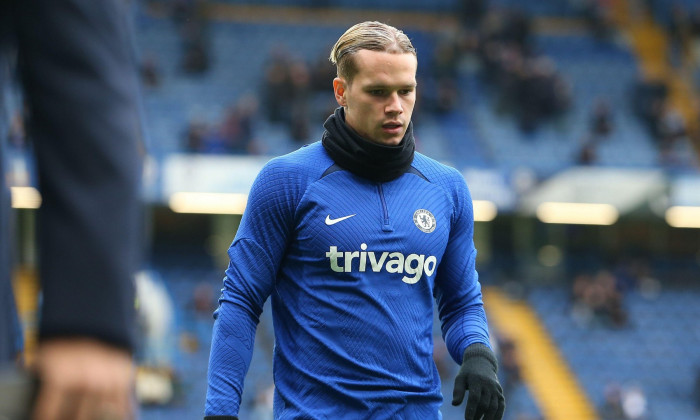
[{"x": 413, "y": 265}]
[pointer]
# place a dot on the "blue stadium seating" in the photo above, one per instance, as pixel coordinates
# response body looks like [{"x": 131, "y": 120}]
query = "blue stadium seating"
[
  {"x": 182, "y": 274},
  {"x": 473, "y": 135},
  {"x": 662, "y": 9},
  {"x": 658, "y": 351},
  {"x": 235, "y": 71},
  {"x": 534, "y": 7},
  {"x": 594, "y": 70}
]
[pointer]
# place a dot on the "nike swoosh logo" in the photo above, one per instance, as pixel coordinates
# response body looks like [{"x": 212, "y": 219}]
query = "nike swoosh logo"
[{"x": 330, "y": 221}]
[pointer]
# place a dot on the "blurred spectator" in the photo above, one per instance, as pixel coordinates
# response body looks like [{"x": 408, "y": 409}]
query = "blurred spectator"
[
  {"x": 276, "y": 83},
  {"x": 445, "y": 59},
  {"x": 442, "y": 94},
  {"x": 601, "y": 119},
  {"x": 195, "y": 134},
  {"x": 447, "y": 96},
  {"x": 598, "y": 18},
  {"x": 262, "y": 405},
  {"x": 237, "y": 131},
  {"x": 471, "y": 12},
  {"x": 596, "y": 300},
  {"x": 156, "y": 314},
  {"x": 190, "y": 18},
  {"x": 694, "y": 27},
  {"x": 601, "y": 126},
  {"x": 663, "y": 122},
  {"x": 299, "y": 107},
  {"x": 322, "y": 74},
  {"x": 587, "y": 153},
  {"x": 541, "y": 94},
  {"x": 156, "y": 386},
  {"x": 671, "y": 130},
  {"x": 17, "y": 134},
  {"x": 517, "y": 29},
  {"x": 155, "y": 377},
  {"x": 527, "y": 86},
  {"x": 287, "y": 93},
  {"x": 612, "y": 403},
  {"x": 509, "y": 364},
  {"x": 679, "y": 32},
  {"x": 203, "y": 300},
  {"x": 648, "y": 99},
  {"x": 196, "y": 59},
  {"x": 150, "y": 73},
  {"x": 634, "y": 403}
]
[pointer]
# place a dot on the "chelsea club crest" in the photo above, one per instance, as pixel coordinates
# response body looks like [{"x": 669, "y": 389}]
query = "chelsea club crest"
[{"x": 424, "y": 220}]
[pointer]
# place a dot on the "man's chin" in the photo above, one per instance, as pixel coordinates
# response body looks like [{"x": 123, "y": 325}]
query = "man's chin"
[{"x": 390, "y": 141}]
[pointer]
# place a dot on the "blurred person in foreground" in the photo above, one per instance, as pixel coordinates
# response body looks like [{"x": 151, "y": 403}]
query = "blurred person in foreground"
[
  {"x": 353, "y": 237},
  {"x": 76, "y": 66}
]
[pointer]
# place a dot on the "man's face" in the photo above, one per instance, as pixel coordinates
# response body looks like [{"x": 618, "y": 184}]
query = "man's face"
[{"x": 380, "y": 99}]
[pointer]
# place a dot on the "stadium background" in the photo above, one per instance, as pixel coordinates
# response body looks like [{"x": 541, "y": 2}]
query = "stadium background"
[{"x": 575, "y": 123}]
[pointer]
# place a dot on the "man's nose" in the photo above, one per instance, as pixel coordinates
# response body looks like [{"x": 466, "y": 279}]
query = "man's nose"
[{"x": 394, "y": 105}]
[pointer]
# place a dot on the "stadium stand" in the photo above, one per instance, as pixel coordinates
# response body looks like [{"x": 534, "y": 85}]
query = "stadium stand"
[
  {"x": 475, "y": 129},
  {"x": 656, "y": 352},
  {"x": 555, "y": 146},
  {"x": 192, "y": 333},
  {"x": 537, "y": 7}
]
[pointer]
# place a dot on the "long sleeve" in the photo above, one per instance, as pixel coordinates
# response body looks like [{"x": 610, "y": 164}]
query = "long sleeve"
[
  {"x": 80, "y": 78},
  {"x": 457, "y": 291},
  {"x": 255, "y": 255}
]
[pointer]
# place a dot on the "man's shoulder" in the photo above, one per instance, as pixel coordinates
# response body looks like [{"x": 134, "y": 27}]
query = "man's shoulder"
[
  {"x": 435, "y": 171},
  {"x": 287, "y": 177},
  {"x": 308, "y": 157},
  {"x": 307, "y": 162}
]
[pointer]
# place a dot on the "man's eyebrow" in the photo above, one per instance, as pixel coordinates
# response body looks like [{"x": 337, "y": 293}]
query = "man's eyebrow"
[{"x": 384, "y": 86}]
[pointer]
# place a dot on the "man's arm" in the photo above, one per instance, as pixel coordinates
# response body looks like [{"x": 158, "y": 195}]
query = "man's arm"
[
  {"x": 81, "y": 85},
  {"x": 457, "y": 287},
  {"x": 79, "y": 75},
  {"x": 255, "y": 255},
  {"x": 464, "y": 326}
]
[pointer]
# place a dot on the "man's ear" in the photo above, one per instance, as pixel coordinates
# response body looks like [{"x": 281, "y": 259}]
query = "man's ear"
[{"x": 339, "y": 86}]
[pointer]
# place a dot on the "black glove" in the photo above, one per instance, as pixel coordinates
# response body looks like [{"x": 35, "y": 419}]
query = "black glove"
[
  {"x": 478, "y": 375},
  {"x": 220, "y": 418}
]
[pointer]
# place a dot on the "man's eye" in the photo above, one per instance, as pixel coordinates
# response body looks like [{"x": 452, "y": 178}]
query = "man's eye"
[
  {"x": 405, "y": 92},
  {"x": 376, "y": 92}
]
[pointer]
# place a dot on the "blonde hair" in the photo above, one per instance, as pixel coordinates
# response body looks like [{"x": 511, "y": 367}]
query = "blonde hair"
[{"x": 374, "y": 36}]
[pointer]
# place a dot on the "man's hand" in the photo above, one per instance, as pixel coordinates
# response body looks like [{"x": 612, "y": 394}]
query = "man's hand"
[
  {"x": 83, "y": 379},
  {"x": 478, "y": 375}
]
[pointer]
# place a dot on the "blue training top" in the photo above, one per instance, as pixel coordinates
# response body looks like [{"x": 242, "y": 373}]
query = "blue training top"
[{"x": 352, "y": 267}]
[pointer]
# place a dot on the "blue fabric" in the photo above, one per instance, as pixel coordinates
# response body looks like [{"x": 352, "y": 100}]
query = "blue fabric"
[{"x": 351, "y": 296}]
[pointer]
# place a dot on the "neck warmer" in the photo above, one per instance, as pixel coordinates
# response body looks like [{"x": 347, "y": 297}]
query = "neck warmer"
[{"x": 363, "y": 157}]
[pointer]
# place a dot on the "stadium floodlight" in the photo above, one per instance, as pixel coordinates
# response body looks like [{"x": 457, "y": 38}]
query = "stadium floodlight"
[
  {"x": 25, "y": 198},
  {"x": 683, "y": 216},
  {"x": 484, "y": 210},
  {"x": 577, "y": 213},
  {"x": 209, "y": 203}
]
